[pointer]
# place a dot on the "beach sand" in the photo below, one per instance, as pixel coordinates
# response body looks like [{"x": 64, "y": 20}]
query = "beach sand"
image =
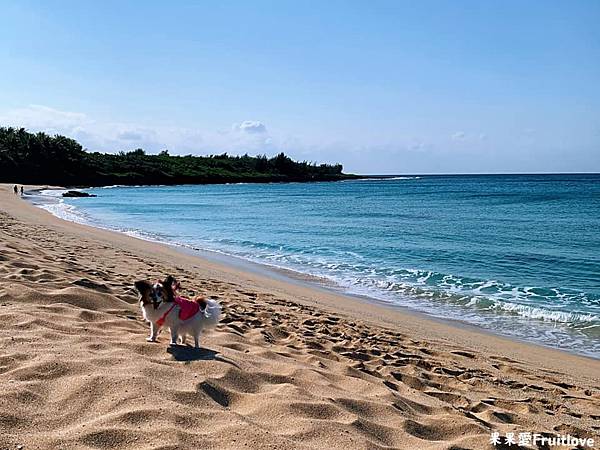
[{"x": 290, "y": 366}]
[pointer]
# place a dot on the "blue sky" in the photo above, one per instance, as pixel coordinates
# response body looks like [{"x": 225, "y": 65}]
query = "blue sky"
[{"x": 382, "y": 87}]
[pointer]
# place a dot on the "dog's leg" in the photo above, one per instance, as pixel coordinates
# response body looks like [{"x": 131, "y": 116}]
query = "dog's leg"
[
  {"x": 197, "y": 340},
  {"x": 182, "y": 337},
  {"x": 153, "y": 332},
  {"x": 174, "y": 336}
]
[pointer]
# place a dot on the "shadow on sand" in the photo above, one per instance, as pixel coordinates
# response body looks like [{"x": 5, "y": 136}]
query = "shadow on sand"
[{"x": 188, "y": 353}]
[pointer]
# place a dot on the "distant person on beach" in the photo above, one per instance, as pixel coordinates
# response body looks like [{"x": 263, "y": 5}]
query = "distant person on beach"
[
  {"x": 21, "y": 190},
  {"x": 16, "y": 189}
]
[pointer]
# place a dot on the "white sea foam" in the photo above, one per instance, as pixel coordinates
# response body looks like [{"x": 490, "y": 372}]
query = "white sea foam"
[
  {"x": 545, "y": 314},
  {"x": 65, "y": 211},
  {"x": 54, "y": 193}
]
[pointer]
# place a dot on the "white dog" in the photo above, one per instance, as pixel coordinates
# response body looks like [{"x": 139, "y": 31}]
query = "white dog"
[{"x": 161, "y": 307}]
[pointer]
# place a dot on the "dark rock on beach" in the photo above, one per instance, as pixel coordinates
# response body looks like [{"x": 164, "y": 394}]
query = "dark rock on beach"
[{"x": 77, "y": 194}]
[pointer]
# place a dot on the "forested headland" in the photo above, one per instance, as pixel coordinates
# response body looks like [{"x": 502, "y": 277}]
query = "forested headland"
[{"x": 38, "y": 158}]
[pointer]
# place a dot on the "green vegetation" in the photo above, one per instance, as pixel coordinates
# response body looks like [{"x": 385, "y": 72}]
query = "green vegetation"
[{"x": 42, "y": 159}]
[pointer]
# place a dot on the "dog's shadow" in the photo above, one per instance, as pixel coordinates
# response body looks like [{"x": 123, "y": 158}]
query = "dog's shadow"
[{"x": 187, "y": 353}]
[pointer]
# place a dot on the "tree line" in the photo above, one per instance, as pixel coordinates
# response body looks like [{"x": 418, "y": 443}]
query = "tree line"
[{"x": 38, "y": 158}]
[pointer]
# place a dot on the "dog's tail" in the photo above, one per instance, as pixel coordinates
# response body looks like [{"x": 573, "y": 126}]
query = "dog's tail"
[{"x": 212, "y": 311}]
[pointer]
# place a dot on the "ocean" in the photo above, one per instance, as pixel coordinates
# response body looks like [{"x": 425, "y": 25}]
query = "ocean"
[{"x": 518, "y": 255}]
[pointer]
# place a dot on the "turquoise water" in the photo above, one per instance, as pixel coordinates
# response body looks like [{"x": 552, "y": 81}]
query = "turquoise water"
[{"x": 518, "y": 255}]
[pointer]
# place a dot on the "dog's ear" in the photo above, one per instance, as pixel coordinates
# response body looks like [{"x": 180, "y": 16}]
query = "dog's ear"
[
  {"x": 143, "y": 286},
  {"x": 168, "y": 286}
]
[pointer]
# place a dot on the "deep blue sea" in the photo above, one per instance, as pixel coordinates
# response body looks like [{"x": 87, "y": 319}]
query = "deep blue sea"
[{"x": 515, "y": 254}]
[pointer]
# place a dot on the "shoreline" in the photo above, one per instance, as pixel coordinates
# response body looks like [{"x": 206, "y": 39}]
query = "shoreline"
[
  {"x": 332, "y": 369},
  {"x": 324, "y": 285},
  {"x": 296, "y": 277},
  {"x": 263, "y": 274}
]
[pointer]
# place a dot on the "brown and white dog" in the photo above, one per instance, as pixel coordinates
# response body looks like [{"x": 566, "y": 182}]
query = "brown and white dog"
[{"x": 162, "y": 307}]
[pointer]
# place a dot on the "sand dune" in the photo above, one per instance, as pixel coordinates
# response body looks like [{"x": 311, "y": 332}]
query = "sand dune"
[{"x": 280, "y": 371}]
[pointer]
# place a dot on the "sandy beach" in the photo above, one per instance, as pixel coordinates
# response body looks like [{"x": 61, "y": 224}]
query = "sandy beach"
[{"x": 290, "y": 366}]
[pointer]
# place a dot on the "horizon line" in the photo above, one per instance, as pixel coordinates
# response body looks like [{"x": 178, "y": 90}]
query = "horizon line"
[{"x": 470, "y": 173}]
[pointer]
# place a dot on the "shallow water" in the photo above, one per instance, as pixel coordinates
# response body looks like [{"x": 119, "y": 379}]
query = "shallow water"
[{"x": 518, "y": 255}]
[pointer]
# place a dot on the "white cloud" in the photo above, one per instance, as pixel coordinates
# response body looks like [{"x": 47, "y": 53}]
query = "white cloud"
[
  {"x": 364, "y": 154},
  {"x": 416, "y": 145},
  {"x": 247, "y": 136},
  {"x": 250, "y": 126},
  {"x": 471, "y": 137},
  {"x": 43, "y": 117},
  {"x": 130, "y": 135}
]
